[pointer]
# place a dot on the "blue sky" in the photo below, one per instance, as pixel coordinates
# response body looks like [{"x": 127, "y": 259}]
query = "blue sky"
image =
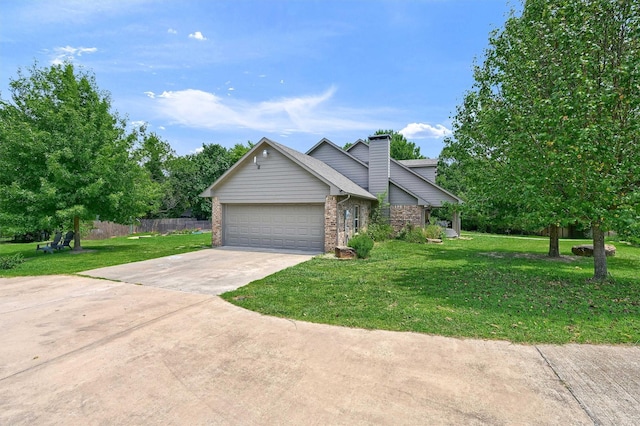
[{"x": 294, "y": 71}]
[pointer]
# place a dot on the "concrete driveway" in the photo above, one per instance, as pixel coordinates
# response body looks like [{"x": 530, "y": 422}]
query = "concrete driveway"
[
  {"x": 209, "y": 271},
  {"x": 79, "y": 350}
]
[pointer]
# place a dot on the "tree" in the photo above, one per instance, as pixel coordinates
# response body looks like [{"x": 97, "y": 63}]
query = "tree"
[
  {"x": 552, "y": 126},
  {"x": 155, "y": 156},
  {"x": 191, "y": 174},
  {"x": 239, "y": 150},
  {"x": 401, "y": 148},
  {"x": 64, "y": 156}
]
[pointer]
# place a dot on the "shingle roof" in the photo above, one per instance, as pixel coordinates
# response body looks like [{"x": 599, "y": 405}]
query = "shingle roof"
[{"x": 424, "y": 162}]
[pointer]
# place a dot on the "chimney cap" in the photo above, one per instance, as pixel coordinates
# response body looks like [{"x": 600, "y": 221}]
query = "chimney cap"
[{"x": 379, "y": 137}]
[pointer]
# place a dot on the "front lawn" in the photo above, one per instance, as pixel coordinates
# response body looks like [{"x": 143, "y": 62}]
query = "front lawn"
[
  {"x": 99, "y": 253},
  {"x": 488, "y": 287}
]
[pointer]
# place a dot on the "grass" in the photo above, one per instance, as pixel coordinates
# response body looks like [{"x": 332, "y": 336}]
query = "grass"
[
  {"x": 488, "y": 287},
  {"x": 99, "y": 253}
]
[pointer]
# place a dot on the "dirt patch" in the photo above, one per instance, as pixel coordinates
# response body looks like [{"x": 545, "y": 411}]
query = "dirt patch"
[{"x": 531, "y": 256}]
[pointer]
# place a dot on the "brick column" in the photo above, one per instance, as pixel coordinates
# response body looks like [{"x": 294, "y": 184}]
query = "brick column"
[
  {"x": 216, "y": 222},
  {"x": 330, "y": 223}
]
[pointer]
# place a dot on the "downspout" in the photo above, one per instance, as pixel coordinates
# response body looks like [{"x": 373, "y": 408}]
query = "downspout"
[{"x": 338, "y": 220}]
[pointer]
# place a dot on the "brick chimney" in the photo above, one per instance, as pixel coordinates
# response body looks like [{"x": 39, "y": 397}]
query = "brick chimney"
[{"x": 379, "y": 164}]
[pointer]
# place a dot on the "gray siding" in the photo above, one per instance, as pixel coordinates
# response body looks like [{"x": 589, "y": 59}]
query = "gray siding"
[
  {"x": 360, "y": 151},
  {"x": 430, "y": 193},
  {"x": 278, "y": 180},
  {"x": 379, "y": 151},
  {"x": 427, "y": 172},
  {"x": 398, "y": 197},
  {"x": 341, "y": 162}
]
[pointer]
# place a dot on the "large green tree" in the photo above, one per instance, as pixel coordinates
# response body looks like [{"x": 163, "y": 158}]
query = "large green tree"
[
  {"x": 156, "y": 156},
  {"x": 552, "y": 126},
  {"x": 191, "y": 174},
  {"x": 64, "y": 155}
]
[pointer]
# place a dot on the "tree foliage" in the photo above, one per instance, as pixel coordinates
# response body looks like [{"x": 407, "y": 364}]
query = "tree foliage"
[
  {"x": 64, "y": 155},
  {"x": 184, "y": 178},
  {"x": 549, "y": 134}
]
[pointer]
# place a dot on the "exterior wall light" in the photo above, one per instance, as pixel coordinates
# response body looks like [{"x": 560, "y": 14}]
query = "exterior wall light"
[{"x": 265, "y": 153}]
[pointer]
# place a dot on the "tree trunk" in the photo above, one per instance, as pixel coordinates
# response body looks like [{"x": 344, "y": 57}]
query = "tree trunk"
[
  {"x": 599, "y": 256},
  {"x": 554, "y": 241},
  {"x": 76, "y": 234}
]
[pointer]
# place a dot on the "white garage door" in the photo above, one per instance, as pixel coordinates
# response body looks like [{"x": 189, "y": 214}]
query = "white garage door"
[{"x": 280, "y": 226}]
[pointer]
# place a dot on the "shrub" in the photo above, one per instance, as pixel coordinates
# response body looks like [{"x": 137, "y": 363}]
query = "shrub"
[
  {"x": 434, "y": 231},
  {"x": 412, "y": 234},
  {"x": 379, "y": 231},
  {"x": 362, "y": 244},
  {"x": 10, "y": 262}
]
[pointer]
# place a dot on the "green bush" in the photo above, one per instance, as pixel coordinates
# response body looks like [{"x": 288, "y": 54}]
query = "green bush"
[
  {"x": 434, "y": 231},
  {"x": 412, "y": 234},
  {"x": 362, "y": 244},
  {"x": 10, "y": 262},
  {"x": 380, "y": 231}
]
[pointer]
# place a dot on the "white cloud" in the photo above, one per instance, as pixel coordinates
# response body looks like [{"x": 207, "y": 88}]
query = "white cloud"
[
  {"x": 198, "y": 36},
  {"x": 303, "y": 114},
  {"x": 138, "y": 123},
  {"x": 424, "y": 131},
  {"x": 69, "y": 53},
  {"x": 172, "y": 31},
  {"x": 150, "y": 94}
]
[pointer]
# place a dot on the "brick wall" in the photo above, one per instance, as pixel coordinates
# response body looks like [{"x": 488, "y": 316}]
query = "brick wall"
[
  {"x": 216, "y": 222},
  {"x": 401, "y": 215},
  {"x": 330, "y": 223}
]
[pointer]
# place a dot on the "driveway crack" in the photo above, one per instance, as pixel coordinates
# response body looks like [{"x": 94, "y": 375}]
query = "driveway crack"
[{"x": 584, "y": 407}]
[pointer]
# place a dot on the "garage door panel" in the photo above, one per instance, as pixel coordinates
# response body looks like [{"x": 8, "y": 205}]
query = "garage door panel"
[{"x": 289, "y": 226}]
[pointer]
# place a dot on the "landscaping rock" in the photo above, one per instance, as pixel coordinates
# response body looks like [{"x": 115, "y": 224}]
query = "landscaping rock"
[
  {"x": 345, "y": 253},
  {"x": 587, "y": 250},
  {"x": 450, "y": 233}
]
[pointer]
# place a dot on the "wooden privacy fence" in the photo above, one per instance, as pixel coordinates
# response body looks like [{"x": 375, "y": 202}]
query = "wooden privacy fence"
[
  {"x": 102, "y": 230},
  {"x": 168, "y": 225}
]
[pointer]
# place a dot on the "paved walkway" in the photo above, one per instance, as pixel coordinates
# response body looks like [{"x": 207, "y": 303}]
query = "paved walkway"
[{"x": 81, "y": 350}]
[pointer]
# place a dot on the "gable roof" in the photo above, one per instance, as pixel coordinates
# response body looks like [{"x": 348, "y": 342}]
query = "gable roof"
[
  {"x": 433, "y": 184},
  {"x": 405, "y": 165},
  {"x": 423, "y": 162},
  {"x": 325, "y": 141},
  {"x": 312, "y": 165}
]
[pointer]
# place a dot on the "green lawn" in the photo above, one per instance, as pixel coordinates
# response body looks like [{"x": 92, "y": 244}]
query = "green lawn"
[
  {"x": 99, "y": 253},
  {"x": 488, "y": 287}
]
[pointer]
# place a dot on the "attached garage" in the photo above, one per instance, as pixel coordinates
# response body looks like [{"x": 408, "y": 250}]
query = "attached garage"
[
  {"x": 278, "y": 226},
  {"x": 278, "y": 198}
]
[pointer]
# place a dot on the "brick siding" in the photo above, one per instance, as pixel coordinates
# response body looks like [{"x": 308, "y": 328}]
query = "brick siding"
[
  {"x": 330, "y": 223},
  {"x": 401, "y": 215},
  {"x": 216, "y": 222}
]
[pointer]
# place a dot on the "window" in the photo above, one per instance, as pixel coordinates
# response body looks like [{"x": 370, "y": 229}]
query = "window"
[{"x": 356, "y": 219}]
